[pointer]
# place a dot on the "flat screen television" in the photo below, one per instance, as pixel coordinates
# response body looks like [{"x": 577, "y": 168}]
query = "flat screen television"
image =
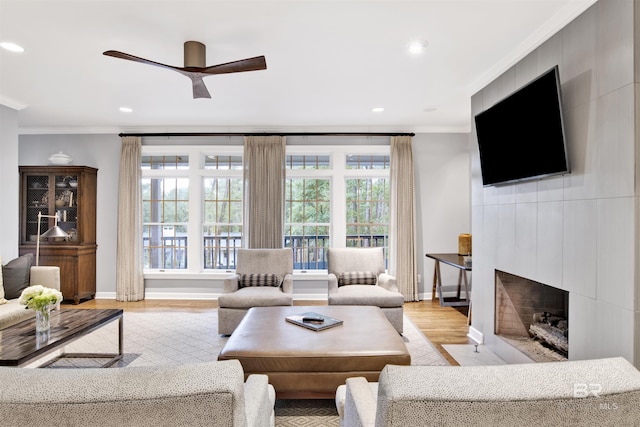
[{"x": 522, "y": 136}]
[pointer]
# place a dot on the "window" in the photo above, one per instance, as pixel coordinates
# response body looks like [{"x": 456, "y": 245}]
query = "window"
[
  {"x": 165, "y": 213},
  {"x": 335, "y": 196},
  {"x": 192, "y": 208},
  {"x": 339, "y": 199},
  {"x": 367, "y": 212},
  {"x": 307, "y": 210},
  {"x": 367, "y": 203},
  {"x": 222, "y": 211}
]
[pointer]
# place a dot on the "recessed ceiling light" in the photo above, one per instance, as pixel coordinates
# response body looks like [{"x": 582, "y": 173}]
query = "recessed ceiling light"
[
  {"x": 430, "y": 109},
  {"x": 12, "y": 47},
  {"x": 377, "y": 109},
  {"x": 126, "y": 109},
  {"x": 417, "y": 46}
]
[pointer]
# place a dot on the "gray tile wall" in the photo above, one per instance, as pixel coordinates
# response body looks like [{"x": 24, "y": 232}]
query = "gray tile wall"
[{"x": 577, "y": 232}]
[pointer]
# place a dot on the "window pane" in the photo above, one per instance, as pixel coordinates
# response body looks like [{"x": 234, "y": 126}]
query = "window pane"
[
  {"x": 307, "y": 221},
  {"x": 165, "y": 211},
  {"x": 220, "y": 246},
  {"x": 222, "y": 228},
  {"x": 165, "y": 200},
  {"x": 358, "y": 161},
  {"x": 308, "y": 162},
  {"x": 165, "y": 246},
  {"x": 223, "y": 162},
  {"x": 165, "y": 162},
  {"x": 309, "y": 244}
]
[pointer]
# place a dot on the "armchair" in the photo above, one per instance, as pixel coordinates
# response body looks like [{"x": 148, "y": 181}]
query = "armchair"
[
  {"x": 357, "y": 277},
  {"x": 263, "y": 278},
  {"x": 531, "y": 394}
]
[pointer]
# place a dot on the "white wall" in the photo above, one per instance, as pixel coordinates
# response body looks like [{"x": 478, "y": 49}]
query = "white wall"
[
  {"x": 442, "y": 192},
  {"x": 99, "y": 151},
  {"x": 578, "y": 232},
  {"x": 10, "y": 184},
  {"x": 443, "y": 200}
]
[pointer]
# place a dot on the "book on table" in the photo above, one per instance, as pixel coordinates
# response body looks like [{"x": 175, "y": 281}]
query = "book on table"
[{"x": 313, "y": 321}]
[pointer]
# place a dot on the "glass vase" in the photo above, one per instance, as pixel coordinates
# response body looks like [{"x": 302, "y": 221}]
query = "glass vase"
[{"x": 42, "y": 318}]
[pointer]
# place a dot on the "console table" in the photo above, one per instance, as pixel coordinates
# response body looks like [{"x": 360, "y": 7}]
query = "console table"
[{"x": 457, "y": 261}]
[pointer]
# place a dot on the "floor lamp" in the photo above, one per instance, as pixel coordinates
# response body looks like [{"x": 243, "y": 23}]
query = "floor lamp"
[{"x": 54, "y": 231}]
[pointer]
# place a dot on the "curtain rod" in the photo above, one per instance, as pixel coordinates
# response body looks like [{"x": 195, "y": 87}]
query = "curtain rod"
[{"x": 268, "y": 134}]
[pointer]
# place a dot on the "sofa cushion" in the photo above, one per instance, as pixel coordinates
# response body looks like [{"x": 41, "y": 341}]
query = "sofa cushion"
[
  {"x": 264, "y": 279},
  {"x": 357, "y": 278},
  {"x": 255, "y": 296},
  {"x": 13, "y": 312},
  {"x": 15, "y": 276},
  {"x": 366, "y": 295}
]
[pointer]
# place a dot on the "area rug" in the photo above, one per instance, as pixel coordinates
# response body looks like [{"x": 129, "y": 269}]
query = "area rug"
[{"x": 162, "y": 338}]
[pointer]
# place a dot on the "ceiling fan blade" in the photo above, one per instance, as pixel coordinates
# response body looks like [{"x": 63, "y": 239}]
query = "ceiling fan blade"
[
  {"x": 249, "y": 64},
  {"x": 199, "y": 89},
  {"x": 126, "y": 56}
]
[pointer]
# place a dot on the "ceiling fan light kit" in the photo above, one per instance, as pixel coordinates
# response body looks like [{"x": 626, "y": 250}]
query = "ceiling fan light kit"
[{"x": 195, "y": 65}]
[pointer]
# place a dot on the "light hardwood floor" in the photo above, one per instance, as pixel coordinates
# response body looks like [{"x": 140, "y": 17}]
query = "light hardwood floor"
[{"x": 442, "y": 325}]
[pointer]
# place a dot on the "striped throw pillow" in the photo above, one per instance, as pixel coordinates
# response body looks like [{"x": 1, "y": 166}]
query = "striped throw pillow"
[
  {"x": 357, "y": 278},
  {"x": 262, "y": 279}
]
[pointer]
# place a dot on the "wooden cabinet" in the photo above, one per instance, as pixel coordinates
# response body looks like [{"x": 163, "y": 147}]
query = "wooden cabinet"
[{"x": 70, "y": 193}]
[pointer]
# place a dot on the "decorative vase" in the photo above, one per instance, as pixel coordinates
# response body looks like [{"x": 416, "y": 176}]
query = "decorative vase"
[{"x": 42, "y": 318}]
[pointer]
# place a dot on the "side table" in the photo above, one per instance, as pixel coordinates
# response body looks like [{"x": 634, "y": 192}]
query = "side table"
[{"x": 456, "y": 261}]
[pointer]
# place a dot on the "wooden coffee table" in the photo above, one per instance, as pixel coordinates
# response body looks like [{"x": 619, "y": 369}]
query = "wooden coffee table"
[
  {"x": 20, "y": 343},
  {"x": 306, "y": 364}
]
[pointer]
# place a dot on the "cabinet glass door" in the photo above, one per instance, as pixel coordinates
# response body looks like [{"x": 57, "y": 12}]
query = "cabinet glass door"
[
  {"x": 66, "y": 204},
  {"x": 37, "y": 200}
]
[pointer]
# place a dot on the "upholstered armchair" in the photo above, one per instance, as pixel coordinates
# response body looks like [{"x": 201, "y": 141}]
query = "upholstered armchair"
[
  {"x": 357, "y": 277},
  {"x": 531, "y": 394},
  {"x": 263, "y": 278}
]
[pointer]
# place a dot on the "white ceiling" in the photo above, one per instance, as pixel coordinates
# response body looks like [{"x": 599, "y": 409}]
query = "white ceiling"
[{"x": 329, "y": 62}]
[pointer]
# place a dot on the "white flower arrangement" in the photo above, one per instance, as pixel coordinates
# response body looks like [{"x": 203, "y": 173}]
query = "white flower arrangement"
[{"x": 38, "y": 297}]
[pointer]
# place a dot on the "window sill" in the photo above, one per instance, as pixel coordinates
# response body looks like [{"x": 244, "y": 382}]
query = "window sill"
[{"x": 298, "y": 275}]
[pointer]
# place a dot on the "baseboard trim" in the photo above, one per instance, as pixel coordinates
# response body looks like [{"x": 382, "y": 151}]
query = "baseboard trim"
[{"x": 476, "y": 335}]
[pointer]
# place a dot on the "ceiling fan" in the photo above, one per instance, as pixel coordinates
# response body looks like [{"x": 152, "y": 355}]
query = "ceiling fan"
[{"x": 195, "y": 68}]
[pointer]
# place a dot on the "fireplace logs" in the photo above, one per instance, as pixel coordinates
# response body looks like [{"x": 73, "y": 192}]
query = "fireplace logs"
[{"x": 551, "y": 330}]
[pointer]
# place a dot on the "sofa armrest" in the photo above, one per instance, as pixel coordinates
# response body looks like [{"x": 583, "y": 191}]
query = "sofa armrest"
[
  {"x": 259, "y": 400},
  {"x": 231, "y": 283},
  {"x": 360, "y": 403},
  {"x": 333, "y": 283},
  {"x": 47, "y": 276},
  {"x": 388, "y": 282},
  {"x": 287, "y": 284}
]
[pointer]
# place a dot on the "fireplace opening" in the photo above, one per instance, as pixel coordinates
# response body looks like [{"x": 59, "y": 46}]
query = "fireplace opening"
[{"x": 532, "y": 317}]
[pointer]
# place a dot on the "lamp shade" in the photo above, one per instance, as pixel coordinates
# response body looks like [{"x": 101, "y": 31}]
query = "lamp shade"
[{"x": 54, "y": 231}]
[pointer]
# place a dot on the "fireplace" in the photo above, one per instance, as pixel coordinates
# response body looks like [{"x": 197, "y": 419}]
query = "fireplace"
[{"x": 532, "y": 317}]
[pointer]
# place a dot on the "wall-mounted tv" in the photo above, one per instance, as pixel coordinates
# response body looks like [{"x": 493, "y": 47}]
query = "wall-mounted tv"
[{"x": 522, "y": 136}]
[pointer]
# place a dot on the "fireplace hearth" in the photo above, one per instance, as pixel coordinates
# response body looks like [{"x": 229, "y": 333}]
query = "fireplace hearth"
[{"x": 532, "y": 316}]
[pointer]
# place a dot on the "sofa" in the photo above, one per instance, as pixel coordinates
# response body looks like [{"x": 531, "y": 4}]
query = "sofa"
[
  {"x": 16, "y": 276},
  {"x": 573, "y": 393},
  {"x": 198, "y": 394}
]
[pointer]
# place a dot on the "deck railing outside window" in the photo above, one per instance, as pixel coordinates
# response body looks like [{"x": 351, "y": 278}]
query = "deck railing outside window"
[{"x": 309, "y": 253}]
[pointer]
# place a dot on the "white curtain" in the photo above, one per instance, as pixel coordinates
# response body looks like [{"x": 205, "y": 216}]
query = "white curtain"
[
  {"x": 264, "y": 179},
  {"x": 129, "y": 278},
  {"x": 402, "y": 224}
]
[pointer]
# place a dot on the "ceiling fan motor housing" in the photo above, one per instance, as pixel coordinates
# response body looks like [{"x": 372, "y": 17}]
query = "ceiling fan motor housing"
[{"x": 194, "y": 54}]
